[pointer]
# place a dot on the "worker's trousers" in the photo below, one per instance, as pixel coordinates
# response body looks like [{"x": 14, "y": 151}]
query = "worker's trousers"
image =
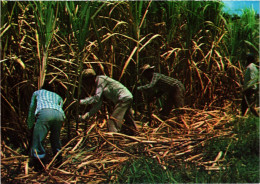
[
  {"x": 174, "y": 97},
  {"x": 249, "y": 100},
  {"x": 122, "y": 111},
  {"x": 47, "y": 120}
]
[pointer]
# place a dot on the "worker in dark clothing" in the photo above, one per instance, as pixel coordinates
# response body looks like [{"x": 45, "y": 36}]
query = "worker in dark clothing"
[
  {"x": 161, "y": 84},
  {"x": 250, "y": 87},
  {"x": 115, "y": 92}
]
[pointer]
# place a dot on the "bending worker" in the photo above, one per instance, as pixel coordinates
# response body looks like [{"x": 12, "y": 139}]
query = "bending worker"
[
  {"x": 46, "y": 108},
  {"x": 161, "y": 84},
  {"x": 115, "y": 92},
  {"x": 251, "y": 86}
]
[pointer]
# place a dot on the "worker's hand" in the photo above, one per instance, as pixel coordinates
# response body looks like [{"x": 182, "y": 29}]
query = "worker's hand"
[
  {"x": 82, "y": 102},
  {"x": 85, "y": 116}
]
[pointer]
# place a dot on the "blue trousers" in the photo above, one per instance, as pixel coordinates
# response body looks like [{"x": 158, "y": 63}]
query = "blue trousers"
[{"x": 46, "y": 120}]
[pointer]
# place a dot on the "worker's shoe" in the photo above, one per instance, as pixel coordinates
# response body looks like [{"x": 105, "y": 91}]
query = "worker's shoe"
[
  {"x": 38, "y": 164},
  {"x": 128, "y": 130},
  {"x": 112, "y": 126}
]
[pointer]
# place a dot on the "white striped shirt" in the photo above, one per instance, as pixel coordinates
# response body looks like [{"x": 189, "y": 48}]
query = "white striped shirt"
[{"x": 43, "y": 99}]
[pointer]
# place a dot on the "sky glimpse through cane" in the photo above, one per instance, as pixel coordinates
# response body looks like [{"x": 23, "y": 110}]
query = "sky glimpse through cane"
[{"x": 236, "y": 7}]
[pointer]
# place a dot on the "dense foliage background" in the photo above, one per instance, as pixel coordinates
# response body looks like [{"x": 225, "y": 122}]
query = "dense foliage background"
[{"x": 193, "y": 41}]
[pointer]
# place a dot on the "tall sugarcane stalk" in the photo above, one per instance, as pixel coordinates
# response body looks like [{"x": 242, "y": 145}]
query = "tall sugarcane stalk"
[
  {"x": 45, "y": 15},
  {"x": 138, "y": 20},
  {"x": 80, "y": 14}
]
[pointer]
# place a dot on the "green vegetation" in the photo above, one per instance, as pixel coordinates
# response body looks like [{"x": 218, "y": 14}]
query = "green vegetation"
[
  {"x": 144, "y": 170},
  {"x": 243, "y": 32}
]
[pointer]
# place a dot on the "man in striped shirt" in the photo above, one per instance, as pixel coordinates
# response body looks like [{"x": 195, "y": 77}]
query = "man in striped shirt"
[
  {"x": 115, "y": 92},
  {"x": 161, "y": 84},
  {"x": 46, "y": 109}
]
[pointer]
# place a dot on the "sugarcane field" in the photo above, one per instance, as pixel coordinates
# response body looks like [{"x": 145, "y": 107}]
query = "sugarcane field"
[{"x": 129, "y": 92}]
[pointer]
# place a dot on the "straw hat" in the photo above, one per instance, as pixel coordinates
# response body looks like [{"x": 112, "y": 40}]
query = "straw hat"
[
  {"x": 146, "y": 67},
  {"x": 88, "y": 72}
]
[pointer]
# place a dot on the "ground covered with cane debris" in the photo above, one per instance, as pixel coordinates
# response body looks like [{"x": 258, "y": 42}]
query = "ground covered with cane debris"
[{"x": 197, "y": 146}]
